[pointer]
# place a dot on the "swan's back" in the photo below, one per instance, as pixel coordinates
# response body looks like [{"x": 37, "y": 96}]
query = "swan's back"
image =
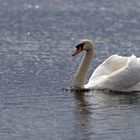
[
  {"x": 116, "y": 73},
  {"x": 110, "y": 65}
]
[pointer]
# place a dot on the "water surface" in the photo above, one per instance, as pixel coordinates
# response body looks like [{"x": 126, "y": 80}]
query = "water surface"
[{"x": 37, "y": 39}]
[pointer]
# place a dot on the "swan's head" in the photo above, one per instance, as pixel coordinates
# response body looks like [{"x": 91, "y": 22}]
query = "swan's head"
[{"x": 83, "y": 45}]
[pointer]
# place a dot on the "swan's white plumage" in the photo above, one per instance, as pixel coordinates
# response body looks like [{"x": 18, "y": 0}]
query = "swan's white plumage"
[{"x": 117, "y": 73}]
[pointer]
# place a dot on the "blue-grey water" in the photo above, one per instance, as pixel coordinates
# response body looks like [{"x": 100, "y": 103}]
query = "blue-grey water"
[{"x": 37, "y": 38}]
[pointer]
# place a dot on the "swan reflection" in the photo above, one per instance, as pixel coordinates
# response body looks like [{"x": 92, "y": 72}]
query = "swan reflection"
[{"x": 100, "y": 111}]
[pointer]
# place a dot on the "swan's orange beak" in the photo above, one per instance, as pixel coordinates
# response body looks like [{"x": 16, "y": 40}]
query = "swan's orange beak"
[{"x": 77, "y": 51}]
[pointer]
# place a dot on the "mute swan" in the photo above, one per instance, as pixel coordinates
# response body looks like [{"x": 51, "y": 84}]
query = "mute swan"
[{"x": 116, "y": 73}]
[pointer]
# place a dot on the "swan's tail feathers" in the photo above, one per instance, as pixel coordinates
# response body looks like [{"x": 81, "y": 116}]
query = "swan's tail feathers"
[
  {"x": 129, "y": 76},
  {"x": 133, "y": 66}
]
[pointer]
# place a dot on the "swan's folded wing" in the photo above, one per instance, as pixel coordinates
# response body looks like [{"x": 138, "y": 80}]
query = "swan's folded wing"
[
  {"x": 121, "y": 79},
  {"x": 108, "y": 66},
  {"x": 126, "y": 77}
]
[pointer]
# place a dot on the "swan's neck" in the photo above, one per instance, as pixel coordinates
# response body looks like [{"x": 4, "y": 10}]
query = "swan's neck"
[{"x": 82, "y": 70}]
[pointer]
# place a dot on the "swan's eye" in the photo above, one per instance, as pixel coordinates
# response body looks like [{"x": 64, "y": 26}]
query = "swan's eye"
[{"x": 80, "y": 46}]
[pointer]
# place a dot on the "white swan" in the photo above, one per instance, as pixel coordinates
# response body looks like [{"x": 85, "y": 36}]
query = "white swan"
[{"x": 115, "y": 73}]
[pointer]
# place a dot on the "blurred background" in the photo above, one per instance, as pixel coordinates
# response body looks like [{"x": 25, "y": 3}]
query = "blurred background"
[{"x": 37, "y": 38}]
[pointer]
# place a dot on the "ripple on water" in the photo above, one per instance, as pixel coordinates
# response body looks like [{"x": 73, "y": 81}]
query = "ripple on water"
[{"x": 36, "y": 42}]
